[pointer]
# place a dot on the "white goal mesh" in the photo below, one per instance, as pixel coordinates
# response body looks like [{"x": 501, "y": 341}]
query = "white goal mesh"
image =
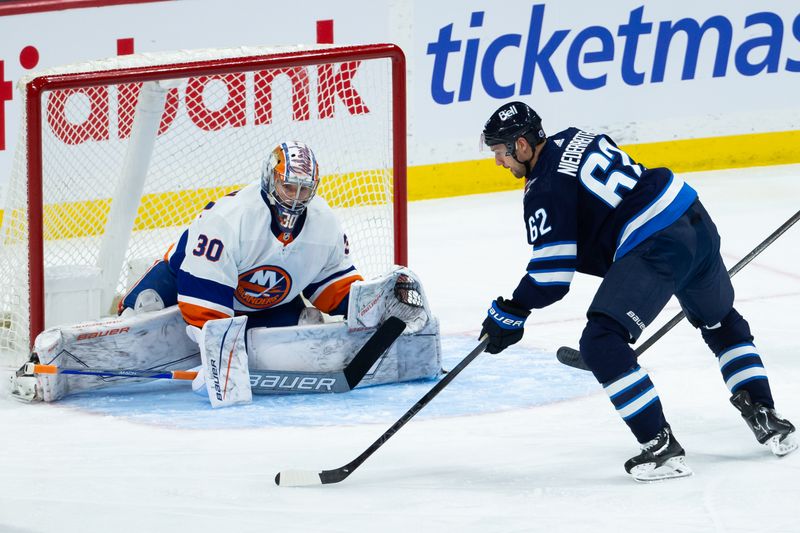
[{"x": 119, "y": 182}]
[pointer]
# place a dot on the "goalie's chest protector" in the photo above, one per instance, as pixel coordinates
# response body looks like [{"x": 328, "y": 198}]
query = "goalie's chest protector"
[{"x": 264, "y": 271}]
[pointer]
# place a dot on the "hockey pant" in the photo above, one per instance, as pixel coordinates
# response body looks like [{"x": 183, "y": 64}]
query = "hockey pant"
[{"x": 681, "y": 260}]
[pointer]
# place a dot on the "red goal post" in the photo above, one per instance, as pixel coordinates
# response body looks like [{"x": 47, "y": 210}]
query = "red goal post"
[{"x": 221, "y": 110}]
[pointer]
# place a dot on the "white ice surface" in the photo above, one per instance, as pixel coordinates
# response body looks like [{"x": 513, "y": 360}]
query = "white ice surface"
[{"x": 489, "y": 455}]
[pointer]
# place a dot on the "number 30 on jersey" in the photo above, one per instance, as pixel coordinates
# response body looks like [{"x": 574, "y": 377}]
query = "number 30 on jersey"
[{"x": 211, "y": 249}]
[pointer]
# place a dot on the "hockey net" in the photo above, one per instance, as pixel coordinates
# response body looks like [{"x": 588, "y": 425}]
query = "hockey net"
[{"x": 117, "y": 156}]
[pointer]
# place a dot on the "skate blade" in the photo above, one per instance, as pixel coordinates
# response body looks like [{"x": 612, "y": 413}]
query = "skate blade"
[
  {"x": 674, "y": 467},
  {"x": 782, "y": 447}
]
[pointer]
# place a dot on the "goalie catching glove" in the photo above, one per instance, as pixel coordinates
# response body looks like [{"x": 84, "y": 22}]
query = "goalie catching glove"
[
  {"x": 397, "y": 294},
  {"x": 504, "y": 324}
]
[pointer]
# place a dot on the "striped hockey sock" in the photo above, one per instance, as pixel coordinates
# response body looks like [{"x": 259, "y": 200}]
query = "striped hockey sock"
[
  {"x": 636, "y": 401},
  {"x": 742, "y": 368}
]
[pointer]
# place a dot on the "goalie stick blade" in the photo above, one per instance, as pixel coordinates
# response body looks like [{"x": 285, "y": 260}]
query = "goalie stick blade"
[
  {"x": 571, "y": 357},
  {"x": 373, "y": 349},
  {"x": 297, "y": 478}
]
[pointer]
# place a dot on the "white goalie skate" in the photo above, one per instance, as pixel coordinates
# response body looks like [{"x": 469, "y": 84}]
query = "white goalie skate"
[{"x": 23, "y": 387}]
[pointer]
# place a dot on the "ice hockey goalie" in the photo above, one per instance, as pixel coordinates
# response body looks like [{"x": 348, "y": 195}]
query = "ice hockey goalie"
[{"x": 159, "y": 340}]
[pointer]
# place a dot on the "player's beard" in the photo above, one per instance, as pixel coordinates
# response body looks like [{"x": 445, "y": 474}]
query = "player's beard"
[{"x": 519, "y": 170}]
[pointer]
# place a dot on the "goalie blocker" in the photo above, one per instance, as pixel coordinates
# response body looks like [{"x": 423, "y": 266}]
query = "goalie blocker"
[{"x": 157, "y": 340}]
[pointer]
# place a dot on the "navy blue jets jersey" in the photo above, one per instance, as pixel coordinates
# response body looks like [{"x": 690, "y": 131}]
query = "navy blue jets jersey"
[{"x": 587, "y": 204}]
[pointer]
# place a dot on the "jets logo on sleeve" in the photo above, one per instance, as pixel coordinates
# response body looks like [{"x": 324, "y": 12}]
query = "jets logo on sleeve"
[{"x": 263, "y": 287}]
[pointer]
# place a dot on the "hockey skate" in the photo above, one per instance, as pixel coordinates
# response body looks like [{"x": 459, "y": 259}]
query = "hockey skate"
[
  {"x": 661, "y": 458},
  {"x": 24, "y": 386},
  {"x": 767, "y": 425}
]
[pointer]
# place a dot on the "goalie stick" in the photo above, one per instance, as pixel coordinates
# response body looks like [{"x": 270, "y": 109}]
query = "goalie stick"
[
  {"x": 572, "y": 357},
  {"x": 267, "y": 381},
  {"x": 299, "y": 478},
  {"x": 373, "y": 349}
]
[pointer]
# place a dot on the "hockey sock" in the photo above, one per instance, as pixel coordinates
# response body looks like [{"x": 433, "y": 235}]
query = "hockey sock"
[
  {"x": 606, "y": 351},
  {"x": 636, "y": 401},
  {"x": 742, "y": 369},
  {"x": 739, "y": 360}
]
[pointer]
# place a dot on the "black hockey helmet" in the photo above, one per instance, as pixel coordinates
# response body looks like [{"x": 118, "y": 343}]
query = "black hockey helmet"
[{"x": 510, "y": 122}]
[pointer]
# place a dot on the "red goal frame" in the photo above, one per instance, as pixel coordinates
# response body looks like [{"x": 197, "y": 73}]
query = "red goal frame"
[{"x": 36, "y": 87}]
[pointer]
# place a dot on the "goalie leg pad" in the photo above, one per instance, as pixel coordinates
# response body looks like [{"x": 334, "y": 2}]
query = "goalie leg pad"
[
  {"x": 224, "y": 357},
  {"x": 330, "y": 347},
  {"x": 152, "y": 341}
]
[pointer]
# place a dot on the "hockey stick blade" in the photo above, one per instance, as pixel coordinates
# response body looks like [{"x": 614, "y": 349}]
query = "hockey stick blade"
[
  {"x": 572, "y": 357},
  {"x": 299, "y": 478},
  {"x": 307, "y": 478},
  {"x": 373, "y": 349}
]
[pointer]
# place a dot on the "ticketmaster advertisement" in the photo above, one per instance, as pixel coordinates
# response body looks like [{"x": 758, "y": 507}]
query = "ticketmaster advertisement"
[{"x": 644, "y": 72}]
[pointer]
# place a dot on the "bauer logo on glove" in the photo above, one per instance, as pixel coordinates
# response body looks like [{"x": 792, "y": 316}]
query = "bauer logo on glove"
[
  {"x": 505, "y": 321},
  {"x": 504, "y": 325}
]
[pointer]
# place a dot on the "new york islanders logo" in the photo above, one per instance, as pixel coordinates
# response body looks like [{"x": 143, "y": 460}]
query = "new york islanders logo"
[{"x": 263, "y": 287}]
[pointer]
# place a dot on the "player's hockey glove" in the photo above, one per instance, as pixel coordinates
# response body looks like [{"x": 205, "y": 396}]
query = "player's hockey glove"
[{"x": 504, "y": 325}]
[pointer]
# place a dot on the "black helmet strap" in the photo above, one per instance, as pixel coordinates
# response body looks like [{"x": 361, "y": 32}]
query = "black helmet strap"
[{"x": 512, "y": 151}]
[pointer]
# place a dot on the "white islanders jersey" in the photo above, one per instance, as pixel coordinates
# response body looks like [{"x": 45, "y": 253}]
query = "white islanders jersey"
[{"x": 230, "y": 260}]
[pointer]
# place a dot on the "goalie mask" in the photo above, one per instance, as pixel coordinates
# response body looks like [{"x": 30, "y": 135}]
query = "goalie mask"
[{"x": 289, "y": 178}]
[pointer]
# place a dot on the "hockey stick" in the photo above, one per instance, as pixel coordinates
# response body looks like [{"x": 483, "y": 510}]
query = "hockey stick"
[
  {"x": 373, "y": 349},
  {"x": 268, "y": 381},
  {"x": 261, "y": 381},
  {"x": 572, "y": 357},
  {"x": 298, "y": 478},
  {"x": 36, "y": 368}
]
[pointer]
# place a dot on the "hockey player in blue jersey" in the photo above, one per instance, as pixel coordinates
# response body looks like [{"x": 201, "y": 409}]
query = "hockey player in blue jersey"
[{"x": 590, "y": 208}]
